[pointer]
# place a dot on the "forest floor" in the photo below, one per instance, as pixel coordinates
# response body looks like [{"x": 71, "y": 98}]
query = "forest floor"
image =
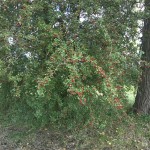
[{"x": 134, "y": 135}]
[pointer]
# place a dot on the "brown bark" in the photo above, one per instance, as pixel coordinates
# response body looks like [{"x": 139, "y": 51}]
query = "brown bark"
[{"x": 142, "y": 100}]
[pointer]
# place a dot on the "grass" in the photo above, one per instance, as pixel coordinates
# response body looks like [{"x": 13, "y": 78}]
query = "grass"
[
  {"x": 130, "y": 132},
  {"x": 131, "y": 95}
]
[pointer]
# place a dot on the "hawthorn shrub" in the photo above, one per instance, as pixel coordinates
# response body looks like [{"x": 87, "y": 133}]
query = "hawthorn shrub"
[{"x": 61, "y": 71}]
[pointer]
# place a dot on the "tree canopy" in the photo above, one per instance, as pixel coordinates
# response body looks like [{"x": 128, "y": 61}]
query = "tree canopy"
[{"x": 67, "y": 62}]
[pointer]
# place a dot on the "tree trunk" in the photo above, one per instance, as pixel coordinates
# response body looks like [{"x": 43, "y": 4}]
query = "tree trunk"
[{"x": 142, "y": 100}]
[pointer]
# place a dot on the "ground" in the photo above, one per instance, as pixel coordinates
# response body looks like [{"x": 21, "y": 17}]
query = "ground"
[{"x": 134, "y": 135}]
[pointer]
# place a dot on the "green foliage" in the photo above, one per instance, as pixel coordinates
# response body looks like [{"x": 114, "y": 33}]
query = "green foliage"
[{"x": 63, "y": 71}]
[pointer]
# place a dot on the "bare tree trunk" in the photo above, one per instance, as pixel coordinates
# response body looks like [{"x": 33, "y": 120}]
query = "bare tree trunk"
[{"x": 142, "y": 100}]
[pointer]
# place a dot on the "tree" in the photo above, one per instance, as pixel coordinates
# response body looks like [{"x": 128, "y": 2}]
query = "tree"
[
  {"x": 60, "y": 68},
  {"x": 142, "y": 100}
]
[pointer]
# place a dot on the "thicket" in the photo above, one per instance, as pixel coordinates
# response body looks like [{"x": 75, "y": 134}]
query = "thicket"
[{"x": 67, "y": 63}]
